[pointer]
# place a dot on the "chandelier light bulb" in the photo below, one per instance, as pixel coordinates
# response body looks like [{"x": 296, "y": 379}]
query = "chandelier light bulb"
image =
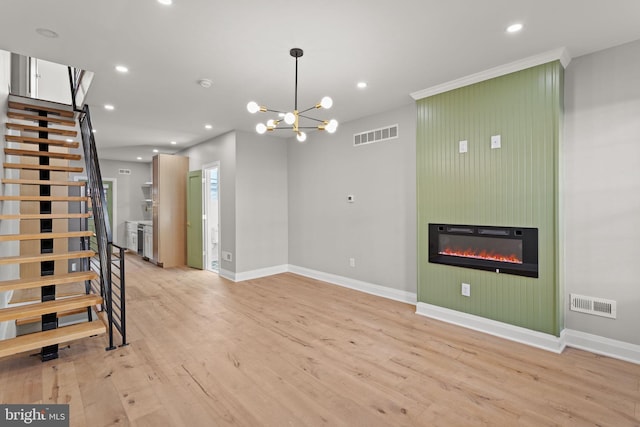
[
  {"x": 332, "y": 126},
  {"x": 326, "y": 102},
  {"x": 261, "y": 128},
  {"x": 271, "y": 123},
  {"x": 289, "y": 118},
  {"x": 253, "y": 107},
  {"x": 302, "y": 137}
]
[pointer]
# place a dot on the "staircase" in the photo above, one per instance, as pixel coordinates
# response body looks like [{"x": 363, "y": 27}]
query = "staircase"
[{"x": 52, "y": 239}]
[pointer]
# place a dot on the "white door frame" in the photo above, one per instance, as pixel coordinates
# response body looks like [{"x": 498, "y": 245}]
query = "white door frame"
[{"x": 205, "y": 220}]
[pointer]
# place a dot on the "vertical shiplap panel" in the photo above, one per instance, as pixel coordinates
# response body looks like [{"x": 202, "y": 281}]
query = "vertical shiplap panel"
[{"x": 512, "y": 186}]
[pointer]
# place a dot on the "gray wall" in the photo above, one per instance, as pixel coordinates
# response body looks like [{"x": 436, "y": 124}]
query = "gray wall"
[
  {"x": 602, "y": 187},
  {"x": 128, "y": 193},
  {"x": 261, "y": 202},
  {"x": 220, "y": 149},
  {"x": 130, "y": 198},
  {"x": 379, "y": 228}
]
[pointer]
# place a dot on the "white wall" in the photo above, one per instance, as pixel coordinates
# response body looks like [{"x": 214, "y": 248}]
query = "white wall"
[
  {"x": 379, "y": 228},
  {"x": 53, "y": 82},
  {"x": 220, "y": 149},
  {"x": 601, "y": 191},
  {"x": 7, "y": 272},
  {"x": 261, "y": 202}
]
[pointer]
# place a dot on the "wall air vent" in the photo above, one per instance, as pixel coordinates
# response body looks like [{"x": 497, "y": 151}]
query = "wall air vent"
[
  {"x": 375, "y": 135},
  {"x": 124, "y": 171},
  {"x": 591, "y": 305}
]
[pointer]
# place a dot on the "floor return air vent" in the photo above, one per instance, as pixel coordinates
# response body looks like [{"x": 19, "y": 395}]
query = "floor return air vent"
[
  {"x": 375, "y": 135},
  {"x": 591, "y": 305}
]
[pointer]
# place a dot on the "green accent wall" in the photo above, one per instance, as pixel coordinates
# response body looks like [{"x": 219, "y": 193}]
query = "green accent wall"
[{"x": 516, "y": 185}]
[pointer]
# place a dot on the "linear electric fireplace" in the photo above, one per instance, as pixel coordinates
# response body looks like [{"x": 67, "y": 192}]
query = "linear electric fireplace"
[{"x": 510, "y": 250}]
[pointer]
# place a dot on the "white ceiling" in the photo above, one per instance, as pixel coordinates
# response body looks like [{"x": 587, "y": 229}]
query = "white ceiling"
[{"x": 243, "y": 47}]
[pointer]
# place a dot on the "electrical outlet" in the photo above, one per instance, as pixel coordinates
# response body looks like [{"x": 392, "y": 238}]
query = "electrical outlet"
[
  {"x": 466, "y": 289},
  {"x": 352, "y": 262},
  {"x": 227, "y": 256}
]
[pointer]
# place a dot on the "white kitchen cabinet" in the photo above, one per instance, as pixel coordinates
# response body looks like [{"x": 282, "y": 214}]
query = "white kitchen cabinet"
[
  {"x": 147, "y": 247},
  {"x": 132, "y": 235}
]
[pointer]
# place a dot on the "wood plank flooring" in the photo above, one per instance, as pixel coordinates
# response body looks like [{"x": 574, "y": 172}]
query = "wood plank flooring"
[{"x": 291, "y": 351}]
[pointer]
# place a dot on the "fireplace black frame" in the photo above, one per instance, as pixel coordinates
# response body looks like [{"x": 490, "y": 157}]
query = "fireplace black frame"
[{"x": 528, "y": 237}]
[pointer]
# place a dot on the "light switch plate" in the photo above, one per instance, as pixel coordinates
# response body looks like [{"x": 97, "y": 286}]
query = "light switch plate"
[
  {"x": 495, "y": 141},
  {"x": 463, "y": 146},
  {"x": 465, "y": 289}
]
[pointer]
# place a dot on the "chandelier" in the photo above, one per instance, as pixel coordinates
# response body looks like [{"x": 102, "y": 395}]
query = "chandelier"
[{"x": 293, "y": 119}]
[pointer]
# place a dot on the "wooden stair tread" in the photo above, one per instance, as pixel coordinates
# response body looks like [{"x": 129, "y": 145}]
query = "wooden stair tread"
[
  {"x": 38, "y": 236},
  {"x": 43, "y": 167},
  {"x": 36, "y": 118},
  {"x": 54, "y": 131},
  {"x": 33, "y": 153},
  {"x": 31, "y": 140},
  {"x": 47, "y": 198},
  {"x": 55, "y": 336},
  {"x": 37, "y": 282},
  {"x": 54, "y": 306},
  {"x": 59, "y": 315},
  {"x": 30, "y": 107},
  {"x": 46, "y": 216},
  {"x": 24, "y": 259},
  {"x": 44, "y": 182}
]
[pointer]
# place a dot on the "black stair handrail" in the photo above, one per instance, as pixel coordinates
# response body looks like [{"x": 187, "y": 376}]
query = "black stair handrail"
[
  {"x": 113, "y": 295},
  {"x": 75, "y": 78}
]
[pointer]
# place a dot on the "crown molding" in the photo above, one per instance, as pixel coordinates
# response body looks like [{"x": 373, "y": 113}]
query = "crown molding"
[{"x": 560, "y": 54}]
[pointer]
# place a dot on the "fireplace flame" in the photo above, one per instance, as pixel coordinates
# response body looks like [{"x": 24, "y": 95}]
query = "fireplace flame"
[{"x": 488, "y": 256}]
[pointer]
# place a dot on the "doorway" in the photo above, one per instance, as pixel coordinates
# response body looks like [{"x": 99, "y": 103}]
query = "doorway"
[{"x": 211, "y": 199}]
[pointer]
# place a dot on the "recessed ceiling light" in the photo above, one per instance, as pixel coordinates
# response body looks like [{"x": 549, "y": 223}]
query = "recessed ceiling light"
[
  {"x": 155, "y": 150},
  {"x": 514, "y": 28},
  {"x": 208, "y": 127},
  {"x": 173, "y": 143},
  {"x": 165, "y": 2},
  {"x": 94, "y": 130},
  {"x": 45, "y": 32},
  {"x": 362, "y": 85},
  {"x": 139, "y": 158},
  {"x": 109, "y": 107},
  {"x": 122, "y": 69}
]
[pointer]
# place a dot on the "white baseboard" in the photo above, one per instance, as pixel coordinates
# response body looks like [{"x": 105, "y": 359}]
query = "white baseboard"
[
  {"x": 261, "y": 272},
  {"x": 358, "y": 285},
  {"x": 503, "y": 330},
  {"x": 568, "y": 337},
  {"x": 604, "y": 346},
  {"x": 229, "y": 275}
]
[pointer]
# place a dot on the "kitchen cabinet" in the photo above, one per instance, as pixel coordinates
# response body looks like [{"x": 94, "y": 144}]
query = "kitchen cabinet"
[
  {"x": 131, "y": 228},
  {"x": 147, "y": 247},
  {"x": 169, "y": 209}
]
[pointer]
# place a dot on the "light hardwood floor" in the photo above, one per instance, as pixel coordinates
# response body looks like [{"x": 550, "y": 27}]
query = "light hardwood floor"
[{"x": 291, "y": 351}]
